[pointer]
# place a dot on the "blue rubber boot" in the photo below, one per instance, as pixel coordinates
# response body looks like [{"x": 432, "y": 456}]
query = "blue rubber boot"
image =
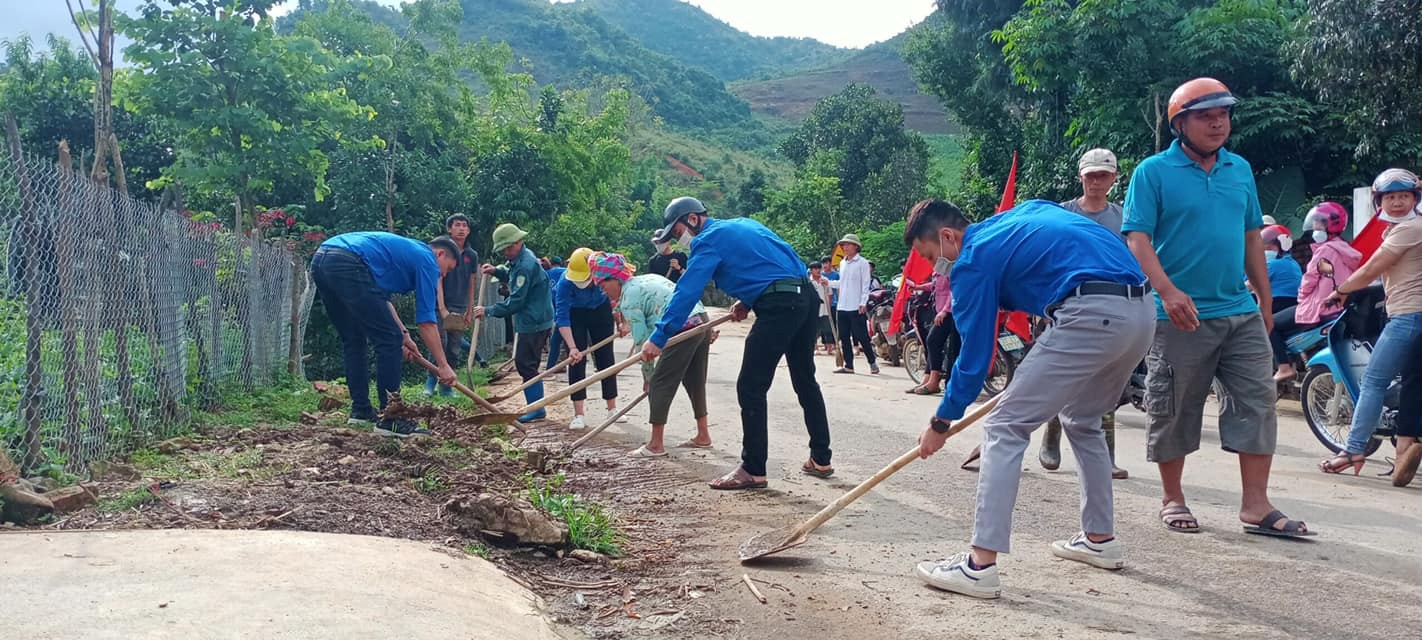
[
  {"x": 531, "y": 395},
  {"x": 430, "y": 385}
]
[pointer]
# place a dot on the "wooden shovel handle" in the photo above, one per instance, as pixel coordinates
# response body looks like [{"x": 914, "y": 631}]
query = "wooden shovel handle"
[
  {"x": 552, "y": 370},
  {"x": 619, "y": 367},
  {"x": 479, "y": 400},
  {"x": 611, "y": 419},
  {"x": 902, "y": 461},
  {"x": 474, "y": 331}
]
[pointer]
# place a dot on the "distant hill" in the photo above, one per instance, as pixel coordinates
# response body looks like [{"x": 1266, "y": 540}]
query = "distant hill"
[
  {"x": 697, "y": 39},
  {"x": 792, "y": 96}
]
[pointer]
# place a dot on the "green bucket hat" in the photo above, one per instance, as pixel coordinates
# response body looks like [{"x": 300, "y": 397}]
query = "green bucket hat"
[
  {"x": 851, "y": 239},
  {"x": 507, "y": 234}
]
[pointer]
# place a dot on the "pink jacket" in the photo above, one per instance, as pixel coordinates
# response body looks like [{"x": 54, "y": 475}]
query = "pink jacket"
[{"x": 1316, "y": 287}]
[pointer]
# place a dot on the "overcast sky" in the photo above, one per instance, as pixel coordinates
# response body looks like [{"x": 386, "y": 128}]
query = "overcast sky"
[{"x": 847, "y": 23}]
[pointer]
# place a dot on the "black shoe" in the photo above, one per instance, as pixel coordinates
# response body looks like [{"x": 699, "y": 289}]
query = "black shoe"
[{"x": 400, "y": 428}]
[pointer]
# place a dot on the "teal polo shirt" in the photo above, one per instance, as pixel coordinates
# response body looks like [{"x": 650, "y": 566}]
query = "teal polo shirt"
[{"x": 1196, "y": 221}]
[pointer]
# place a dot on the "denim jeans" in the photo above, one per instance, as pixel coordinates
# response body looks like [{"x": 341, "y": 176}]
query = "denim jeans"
[
  {"x": 555, "y": 348},
  {"x": 360, "y": 312},
  {"x": 1388, "y": 359}
]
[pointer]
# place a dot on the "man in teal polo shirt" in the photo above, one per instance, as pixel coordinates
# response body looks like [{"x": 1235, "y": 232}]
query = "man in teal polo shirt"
[
  {"x": 530, "y": 303},
  {"x": 1193, "y": 220}
]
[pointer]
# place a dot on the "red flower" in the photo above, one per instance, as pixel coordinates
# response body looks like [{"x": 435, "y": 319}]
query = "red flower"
[{"x": 290, "y": 221}]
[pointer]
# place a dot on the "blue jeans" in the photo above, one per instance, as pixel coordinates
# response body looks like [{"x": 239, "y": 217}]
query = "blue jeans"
[
  {"x": 361, "y": 314},
  {"x": 1388, "y": 357}
]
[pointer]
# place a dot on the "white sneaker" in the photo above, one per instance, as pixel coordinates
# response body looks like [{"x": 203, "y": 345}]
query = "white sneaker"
[
  {"x": 578, "y": 424},
  {"x": 622, "y": 419},
  {"x": 956, "y": 576},
  {"x": 1106, "y": 555}
]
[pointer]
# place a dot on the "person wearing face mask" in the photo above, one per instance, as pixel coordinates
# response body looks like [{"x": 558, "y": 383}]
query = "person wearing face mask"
[
  {"x": 1193, "y": 221},
  {"x": 583, "y": 316},
  {"x": 665, "y": 262},
  {"x": 1332, "y": 262},
  {"x": 763, "y": 273},
  {"x": 1284, "y": 271},
  {"x": 1396, "y": 195},
  {"x": 1102, "y": 322}
]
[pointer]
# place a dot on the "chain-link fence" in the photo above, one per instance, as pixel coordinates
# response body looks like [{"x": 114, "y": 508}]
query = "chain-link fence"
[{"x": 119, "y": 318}]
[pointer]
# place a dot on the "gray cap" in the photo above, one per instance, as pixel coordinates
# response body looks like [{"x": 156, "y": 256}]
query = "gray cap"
[
  {"x": 1095, "y": 161},
  {"x": 675, "y": 211}
]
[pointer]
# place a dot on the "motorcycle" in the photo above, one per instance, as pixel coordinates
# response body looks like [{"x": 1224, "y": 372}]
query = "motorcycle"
[
  {"x": 1331, "y": 386},
  {"x": 910, "y": 341},
  {"x": 880, "y": 308}
]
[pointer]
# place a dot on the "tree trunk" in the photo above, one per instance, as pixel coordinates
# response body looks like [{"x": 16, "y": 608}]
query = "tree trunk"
[
  {"x": 298, "y": 287},
  {"x": 69, "y": 321},
  {"x": 33, "y": 394},
  {"x": 390, "y": 184},
  {"x": 124, "y": 283}
]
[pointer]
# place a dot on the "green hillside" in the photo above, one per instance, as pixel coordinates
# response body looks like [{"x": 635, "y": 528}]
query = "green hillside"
[
  {"x": 695, "y": 38},
  {"x": 572, "y": 46},
  {"x": 880, "y": 66}
]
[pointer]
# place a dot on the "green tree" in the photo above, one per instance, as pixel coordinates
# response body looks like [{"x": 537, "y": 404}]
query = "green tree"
[
  {"x": 810, "y": 214},
  {"x": 1364, "y": 60},
  {"x": 860, "y": 140},
  {"x": 247, "y": 106}
]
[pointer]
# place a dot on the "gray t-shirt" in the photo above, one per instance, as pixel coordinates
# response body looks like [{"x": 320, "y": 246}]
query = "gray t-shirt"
[{"x": 1111, "y": 217}]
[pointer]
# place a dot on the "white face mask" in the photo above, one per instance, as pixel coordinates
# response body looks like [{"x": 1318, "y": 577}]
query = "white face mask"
[
  {"x": 943, "y": 265},
  {"x": 582, "y": 284},
  {"x": 1270, "y": 254},
  {"x": 662, "y": 247},
  {"x": 1319, "y": 235},
  {"x": 685, "y": 239}
]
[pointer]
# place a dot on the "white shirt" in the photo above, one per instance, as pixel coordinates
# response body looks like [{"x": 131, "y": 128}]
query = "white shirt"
[
  {"x": 822, "y": 287},
  {"x": 853, "y": 284}
]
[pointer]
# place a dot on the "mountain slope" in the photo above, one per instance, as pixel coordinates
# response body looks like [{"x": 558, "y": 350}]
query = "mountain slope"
[
  {"x": 697, "y": 39},
  {"x": 573, "y": 46},
  {"x": 880, "y": 66}
]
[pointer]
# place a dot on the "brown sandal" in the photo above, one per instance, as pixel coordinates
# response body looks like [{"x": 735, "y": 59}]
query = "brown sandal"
[
  {"x": 737, "y": 480},
  {"x": 811, "y": 468},
  {"x": 968, "y": 464}
]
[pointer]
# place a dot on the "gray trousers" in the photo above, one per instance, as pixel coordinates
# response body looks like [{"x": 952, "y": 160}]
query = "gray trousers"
[{"x": 1075, "y": 371}]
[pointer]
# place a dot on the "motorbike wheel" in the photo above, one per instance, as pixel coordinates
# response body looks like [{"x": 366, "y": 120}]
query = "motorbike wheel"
[
  {"x": 914, "y": 358},
  {"x": 1000, "y": 375},
  {"x": 1328, "y": 409}
]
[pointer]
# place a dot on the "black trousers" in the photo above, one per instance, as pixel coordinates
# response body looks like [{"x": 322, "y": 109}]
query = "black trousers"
[
  {"x": 786, "y": 325},
  {"x": 528, "y": 353},
  {"x": 1285, "y": 326},
  {"x": 590, "y": 326},
  {"x": 942, "y": 347},
  {"x": 854, "y": 327}
]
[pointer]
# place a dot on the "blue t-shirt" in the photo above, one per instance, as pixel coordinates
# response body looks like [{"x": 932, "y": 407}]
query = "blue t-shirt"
[
  {"x": 742, "y": 255},
  {"x": 1024, "y": 259},
  {"x": 1285, "y": 275},
  {"x": 554, "y": 275},
  {"x": 398, "y": 265},
  {"x": 567, "y": 296},
  {"x": 1196, "y": 222}
]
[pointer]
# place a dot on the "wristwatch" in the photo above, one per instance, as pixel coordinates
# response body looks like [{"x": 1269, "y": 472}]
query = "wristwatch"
[{"x": 939, "y": 425}]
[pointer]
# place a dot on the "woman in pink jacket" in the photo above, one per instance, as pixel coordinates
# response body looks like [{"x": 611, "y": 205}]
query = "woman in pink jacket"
[{"x": 1333, "y": 261}]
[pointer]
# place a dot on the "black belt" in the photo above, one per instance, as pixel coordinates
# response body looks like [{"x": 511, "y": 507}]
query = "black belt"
[
  {"x": 785, "y": 285},
  {"x": 339, "y": 251},
  {"x": 1129, "y": 291}
]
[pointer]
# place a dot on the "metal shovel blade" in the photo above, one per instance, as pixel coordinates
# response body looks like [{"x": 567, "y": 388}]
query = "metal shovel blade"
[
  {"x": 493, "y": 418},
  {"x": 770, "y": 542}
]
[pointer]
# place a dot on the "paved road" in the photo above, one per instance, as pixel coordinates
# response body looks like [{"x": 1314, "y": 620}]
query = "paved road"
[{"x": 1358, "y": 579}]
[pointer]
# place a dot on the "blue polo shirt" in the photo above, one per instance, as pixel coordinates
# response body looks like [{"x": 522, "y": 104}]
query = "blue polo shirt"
[
  {"x": 1024, "y": 259},
  {"x": 1196, "y": 222},
  {"x": 398, "y": 265},
  {"x": 1285, "y": 276},
  {"x": 742, "y": 255},
  {"x": 554, "y": 275},
  {"x": 567, "y": 296}
]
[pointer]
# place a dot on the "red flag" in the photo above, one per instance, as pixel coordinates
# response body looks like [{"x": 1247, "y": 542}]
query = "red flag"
[
  {"x": 1009, "y": 190},
  {"x": 1017, "y": 322},
  {"x": 917, "y": 269},
  {"x": 1370, "y": 238}
]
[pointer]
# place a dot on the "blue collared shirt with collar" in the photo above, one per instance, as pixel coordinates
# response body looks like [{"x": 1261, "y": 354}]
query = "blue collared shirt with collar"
[
  {"x": 1024, "y": 259},
  {"x": 741, "y": 255},
  {"x": 1196, "y": 222},
  {"x": 398, "y": 265},
  {"x": 567, "y": 296}
]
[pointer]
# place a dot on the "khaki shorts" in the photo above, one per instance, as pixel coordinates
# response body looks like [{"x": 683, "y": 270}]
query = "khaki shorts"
[{"x": 1182, "y": 365}]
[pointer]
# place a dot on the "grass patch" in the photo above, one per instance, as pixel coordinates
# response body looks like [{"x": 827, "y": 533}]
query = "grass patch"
[
  {"x": 450, "y": 450},
  {"x": 589, "y": 525},
  {"x": 477, "y": 549},
  {"x": 430, "y": 483},
  {"x": 130, "y": 499},
  {"x": 247, "y": 463},
  {"x": 278, "y": 404},
  {"x": 160, "y": 466}
]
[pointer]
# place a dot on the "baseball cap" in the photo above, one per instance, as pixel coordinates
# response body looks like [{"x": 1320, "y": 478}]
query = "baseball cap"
[{"x": 1096, "y": 160}]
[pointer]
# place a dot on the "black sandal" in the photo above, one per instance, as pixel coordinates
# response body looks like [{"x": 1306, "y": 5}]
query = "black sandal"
[{"x": 1292, "y": 528}]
